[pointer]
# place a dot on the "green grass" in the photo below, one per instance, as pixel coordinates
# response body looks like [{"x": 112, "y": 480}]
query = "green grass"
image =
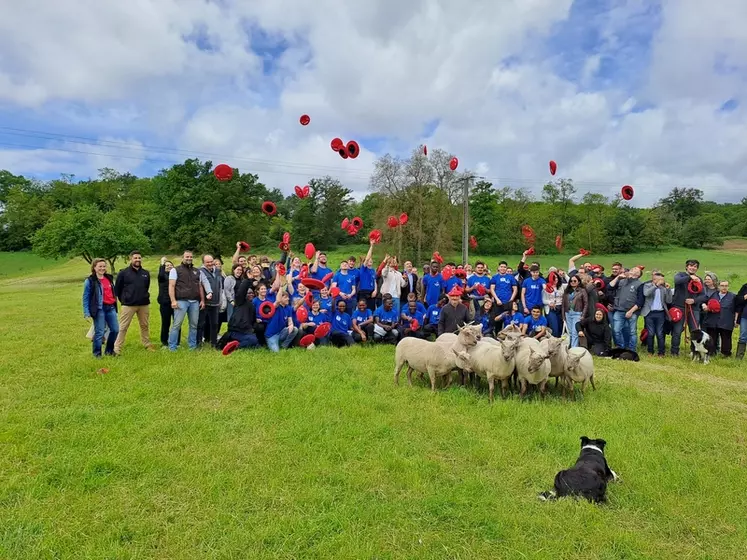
[
  {"x": 13, "y": 265},
  {"x": 299, "y": 455}
]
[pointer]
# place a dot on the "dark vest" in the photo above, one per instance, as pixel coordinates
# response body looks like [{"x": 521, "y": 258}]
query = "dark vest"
[
  {"x": 187, "y": 282},
  {"x": 216, "y": 283}
]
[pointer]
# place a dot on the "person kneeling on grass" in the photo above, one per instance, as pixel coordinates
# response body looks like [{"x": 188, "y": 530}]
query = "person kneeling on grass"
[
  {"x": 535, "y": 325},
  {"x": 363, "y": 322},
  {"x": 385, "y": 321},
  {"x": 243, "y": 318},
  {"x": 595, "y": 334},
  {"x": 280, "y": 331},
  {"x": 342, "y": 325}
]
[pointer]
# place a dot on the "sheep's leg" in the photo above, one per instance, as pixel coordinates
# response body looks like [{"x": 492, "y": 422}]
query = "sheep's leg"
[
  {"x": 409, "y": 375},
  {"x": 504, "y": 388},
  {"x": 462, "y": 377},
  {"x": 543, "y": 389},
  {"x": 448, "y": 381},
  {"x": 583, "y": 386},
  {"x": 572, "y": 387},
  {"x": 432, "y": 375},
  {"x": 523, "y": 391},
  {"x": 491, "y": 386},
  {"x": 591, "y": 380},
  {"x": 397, "y": 370}
]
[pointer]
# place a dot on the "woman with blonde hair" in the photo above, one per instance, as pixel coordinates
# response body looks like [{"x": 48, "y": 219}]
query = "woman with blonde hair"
[{"x": 100, "y": 305}]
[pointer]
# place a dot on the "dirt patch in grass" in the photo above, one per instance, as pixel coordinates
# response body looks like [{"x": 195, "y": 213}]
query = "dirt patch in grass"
[{"x": 735, "y": 245}]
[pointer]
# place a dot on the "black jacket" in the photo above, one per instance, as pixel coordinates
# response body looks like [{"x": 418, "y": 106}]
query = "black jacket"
[
  {"x": 725, "y": 318},
  {"x": 133, "y": 286},
  {"x": 406, "y": 288},
  {"x": 163, "y": 285},
  {"x": 739, "y": 303},
  {"x": 244, "y": 315},
  {"x": 452, "y": 318}
]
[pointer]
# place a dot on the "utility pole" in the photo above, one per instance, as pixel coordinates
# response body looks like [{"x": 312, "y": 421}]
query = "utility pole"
[{"x": 465, "y": 217}]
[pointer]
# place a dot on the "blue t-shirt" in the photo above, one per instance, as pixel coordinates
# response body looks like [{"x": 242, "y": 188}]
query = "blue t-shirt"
[
  {"x": 279, "y": 320},
  {"x": 418, "y": 316},
  {"x": 321, "y": 272},
  {"x": 454, "y": 281},
  {"x": 366, "y": 278},
  {"x": 390, "y": 317},
  {"x": 517, "y": 318},
  {"x": 533, "y": 289},
  {"x": 341, "y": 322},
  {"x": 257, "y": 302},
  {"x": 325, "y": 304},
  {"x": 433, "y": 314},
  {"x": 361, "y": 316},
  {"x": 433, "y": 286},
  {"x": 318, "y": 319},
  {"x": 487, "y": 324},
  {"x": 345, "y": 282},
  {"x": 504, "y": 285},
  {"x": 534, "y": 325},
  {"x": 474, "y": 280}
]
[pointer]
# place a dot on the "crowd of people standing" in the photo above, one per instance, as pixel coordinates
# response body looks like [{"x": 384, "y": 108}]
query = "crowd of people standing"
[{"x": 282, "y": 303}]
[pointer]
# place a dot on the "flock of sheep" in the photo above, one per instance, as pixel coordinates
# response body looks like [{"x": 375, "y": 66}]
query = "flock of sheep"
[{"x": 526, "y": 360}]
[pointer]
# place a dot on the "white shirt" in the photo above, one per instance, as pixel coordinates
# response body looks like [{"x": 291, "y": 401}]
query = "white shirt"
[{"x": 392, "y": 282}]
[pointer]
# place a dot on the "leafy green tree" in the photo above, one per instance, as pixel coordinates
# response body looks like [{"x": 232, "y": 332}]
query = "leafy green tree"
[
  {"x": 25, "y": 208},
  {"x": 683, "y": 203},
  {"x": 623, "y": 230},
  {"x": 86, "y": 231},
  {"x": 702, "y": 231}
]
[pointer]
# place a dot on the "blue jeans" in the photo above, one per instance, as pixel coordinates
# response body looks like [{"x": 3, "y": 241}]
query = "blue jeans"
[
  {"x": 743, "y": 330},
  {"x": 283, "y": 339},
  {"x": 555, "y": 322},
  {"x": 107, "y": 315},
  {"x": 625, "y": 331},
  {"x": 571, "y": 320},
  {"x": 185, "y": 308},
  {"x": 654, "y": 322}
]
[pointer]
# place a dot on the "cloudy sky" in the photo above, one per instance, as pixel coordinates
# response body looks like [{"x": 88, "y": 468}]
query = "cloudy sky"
[{"x": 651, "y": 93}]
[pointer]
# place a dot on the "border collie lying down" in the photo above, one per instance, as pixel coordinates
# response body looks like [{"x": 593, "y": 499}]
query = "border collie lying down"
[
  {"x": 588, "y": 478},
  {"x": 699, "y": 343}
]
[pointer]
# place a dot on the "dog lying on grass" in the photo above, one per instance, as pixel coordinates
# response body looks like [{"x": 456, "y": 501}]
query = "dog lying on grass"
[{"x": 588, "y": 478}]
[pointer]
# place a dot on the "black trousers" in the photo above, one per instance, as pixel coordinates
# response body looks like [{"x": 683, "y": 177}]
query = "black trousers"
[
  {"x": 368, "y": 329},
  {"x": 366, "y": 294},
  {"x": 340, "y": 339},
  {"x": 167, "y": 316},
  {"x": 207, "y": 325},
  {"x": 724, "y": 337}
]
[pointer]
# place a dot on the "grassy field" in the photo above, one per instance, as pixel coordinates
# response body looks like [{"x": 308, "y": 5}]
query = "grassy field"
[{"x": 298, "y": 455}]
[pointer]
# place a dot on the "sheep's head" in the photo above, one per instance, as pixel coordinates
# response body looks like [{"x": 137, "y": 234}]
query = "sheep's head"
[
  {"x": 552, "y": 345},
  {"x": 512, "y": 331},
  {"x": 572, "y": 361},
  {"x": 463, "y": 360},
  {"x": 509, "y": 346},
  {"x": 468, "y": 336},
  {"x": 536, "y": 359}
]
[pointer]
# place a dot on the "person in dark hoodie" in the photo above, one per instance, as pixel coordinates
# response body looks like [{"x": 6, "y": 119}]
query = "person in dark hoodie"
[
  {"x": 686, "y": 302},
  {"x": 164, "y": 303},
  {"x": 741, "y": 319},
  {"x": 720, "y": 324},
  {"x": 243, "y": 319},
  {"x": 132, "y": 288},
  {"x": 100, "y": 305},
  {"x": 596, "y": 333}
]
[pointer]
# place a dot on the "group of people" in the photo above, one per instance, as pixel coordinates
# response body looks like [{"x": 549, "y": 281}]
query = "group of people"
[{"x": 285, "y": 303}]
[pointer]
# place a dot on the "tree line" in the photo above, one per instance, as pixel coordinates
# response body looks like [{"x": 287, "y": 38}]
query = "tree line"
[{"x": 185, "y": 206}]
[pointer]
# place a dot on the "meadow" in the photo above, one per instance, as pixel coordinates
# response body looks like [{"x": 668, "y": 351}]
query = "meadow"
[{"x": 320, "y": 455}]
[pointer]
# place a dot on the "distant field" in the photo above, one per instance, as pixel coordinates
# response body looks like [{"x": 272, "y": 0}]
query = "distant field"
[
  {"x": 319, "y": 455},
  {"x": 23, "y": 264}
]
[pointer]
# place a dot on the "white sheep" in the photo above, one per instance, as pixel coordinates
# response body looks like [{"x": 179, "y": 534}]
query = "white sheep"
[
  {"x": 467, "y": 336},
  {"x": 437, "y": 360},
  {"x": 557, "y": 349},
  {"x": 579, "y": 367},
  {"x": 532, "y": 365},
  {"x": 494, "y": 361}
]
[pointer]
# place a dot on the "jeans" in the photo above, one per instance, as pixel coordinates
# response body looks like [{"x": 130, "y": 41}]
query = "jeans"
[
  {"x": 571, "y": 320},
  {"x": 282, "y": 339},
  {"x": 654, "y": 322},
  {"x": 743, "y": 330},
  {"x": 106, "y": 315},
  {"x": 341, "y": 339},
  {"x": 555, "y": 322},
  {"x": 185, "y": 308},
  {"x": 624, "y": 330},
  {"x": 246, "y": 340},
  {"x": 679, "y": 326}
]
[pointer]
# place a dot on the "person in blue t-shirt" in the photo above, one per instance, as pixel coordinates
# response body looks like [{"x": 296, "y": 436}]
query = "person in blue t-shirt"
[
  {"x": 503, "y": 289},
  {"x": 531, "y": 290},
  {"x": 316, "y": 318},
  {"x": 535, "y": 325},
  {"x": 413, "y": 297},
  {"x": 432, "y": 316},
  {"x": 455, "y": 280},
  {"x": 352, "y": 268},
  {"x": 342, "y": 324},
  {"x": 433, "y": 284},
  {"x": 280, "y": 330},
  {"x": 386, "y": 320},
  {"x": 367, "y": 280},
  {"x": 319, "y": 268},
  {"x": 409, "y": 314},
  {"x": 363, "y": 322},
  {"x": 487, "y": 318},
  {"x": 345, "y": 280},
  {"x": 326, "y": 303}
]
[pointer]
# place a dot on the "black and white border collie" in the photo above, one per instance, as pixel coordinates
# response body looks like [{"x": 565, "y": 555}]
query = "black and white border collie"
[
  {"x": 588, "y": 478},
  {"x": 699, "y": 343}
]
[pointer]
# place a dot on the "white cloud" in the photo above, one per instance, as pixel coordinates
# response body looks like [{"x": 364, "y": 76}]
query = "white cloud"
[{"x": 385, "y": 70}]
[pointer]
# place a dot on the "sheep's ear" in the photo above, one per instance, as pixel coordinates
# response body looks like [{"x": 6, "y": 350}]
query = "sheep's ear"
[{"x": 455, "y": 351}]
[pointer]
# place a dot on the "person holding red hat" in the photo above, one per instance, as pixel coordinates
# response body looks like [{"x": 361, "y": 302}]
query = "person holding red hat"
[
  {"x": 504, "y": 290},
  {"x": 318, "y": 269},
  {"x": 261, "y": 296},
  {"x": 315, "y": 318},
  {"x": 688, "y": 303},
  {"x": 412, "y": 315},
  {"x": 625, "y": 309},
  {"x": 367, "y": 280},
  {"x": 657, "y": 297},
  {"x": 280, "y": 331},
  {"x": 345, "y": 281},
  {"x": 433, "y": 284},
  {"x": 453, "y": 315},
  {"x": 477, "y": 295},
  {"x": 531, "y": 290},
  {"x": 392, "y": 282},
  {"x": 720, "y": 318}
]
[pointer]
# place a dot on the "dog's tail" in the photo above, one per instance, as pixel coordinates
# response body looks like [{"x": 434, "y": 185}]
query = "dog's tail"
[{"x": 547, "y": 496}]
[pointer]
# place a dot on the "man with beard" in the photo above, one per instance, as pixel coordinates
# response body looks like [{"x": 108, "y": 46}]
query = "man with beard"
[
  {"x": 319, "y": 268},
  {"x": 433, "y": 284},
  {"x": 132, "y": 288},
  {"x": 187, "y": 298}
]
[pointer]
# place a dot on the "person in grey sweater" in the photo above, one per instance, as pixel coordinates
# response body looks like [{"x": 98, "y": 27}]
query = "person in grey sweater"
[
  {"x": 625, "y": 310},
  {"x": 655, "y": 312}
]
